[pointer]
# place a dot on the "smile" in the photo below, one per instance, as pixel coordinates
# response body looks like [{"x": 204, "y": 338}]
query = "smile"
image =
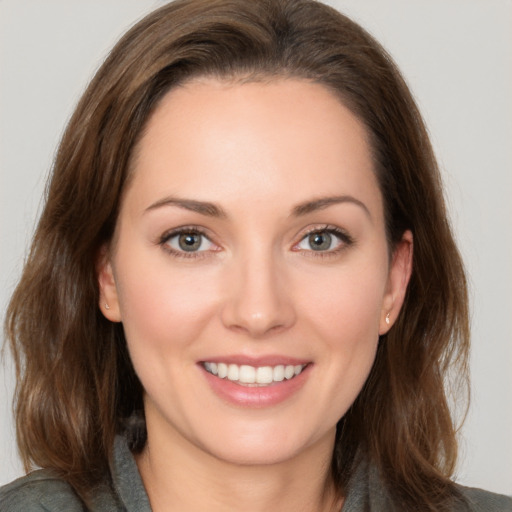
[{"x": 254, "y": 375}]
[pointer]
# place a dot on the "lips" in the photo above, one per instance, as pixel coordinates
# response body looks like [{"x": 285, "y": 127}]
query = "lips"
[
  {"x": 261, "y": 382},
  {"x": 245, "y": 374}
]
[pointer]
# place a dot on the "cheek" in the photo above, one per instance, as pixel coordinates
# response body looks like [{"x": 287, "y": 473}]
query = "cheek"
[
  {"x": 343, "y": 319},
  {"x": 162, "y": 306},
  {"x": 346, "y": 305}
]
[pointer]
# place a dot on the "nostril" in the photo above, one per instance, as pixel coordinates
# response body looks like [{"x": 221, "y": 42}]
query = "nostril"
[{"x": 257, "y": 303}]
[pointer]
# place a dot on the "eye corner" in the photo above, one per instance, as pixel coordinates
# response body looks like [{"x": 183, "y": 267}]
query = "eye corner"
[
  {"x": 175, "y": 243},
  {"x": 327, "y": 236}
]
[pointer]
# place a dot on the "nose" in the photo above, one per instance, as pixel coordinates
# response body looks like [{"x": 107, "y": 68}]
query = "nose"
[{"x": 259, "y": 299}]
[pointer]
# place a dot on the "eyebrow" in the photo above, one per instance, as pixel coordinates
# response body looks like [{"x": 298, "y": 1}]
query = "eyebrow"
[
  {"x": 212, "y": 210},
  {"x": 324, "y": 202},
  {"x": 202, "y": 207}
]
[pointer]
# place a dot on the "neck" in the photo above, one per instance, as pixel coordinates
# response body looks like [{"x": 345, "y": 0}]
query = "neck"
[{"x": 187, "y": 478}]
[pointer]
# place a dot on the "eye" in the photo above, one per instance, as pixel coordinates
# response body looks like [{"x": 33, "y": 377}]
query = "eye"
[
  {"x": 189, "y": 241},
  {"x": 324, "y": 240}
]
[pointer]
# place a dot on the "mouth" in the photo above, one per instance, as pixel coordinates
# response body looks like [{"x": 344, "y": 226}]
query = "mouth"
[{"x": 254, "y": 376}]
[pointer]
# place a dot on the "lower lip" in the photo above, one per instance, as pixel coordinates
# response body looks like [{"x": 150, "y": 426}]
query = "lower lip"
[{"x": 256, "y": 396}]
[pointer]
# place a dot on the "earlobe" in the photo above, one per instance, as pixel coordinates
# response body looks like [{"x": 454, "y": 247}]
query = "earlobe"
[
  {"x": 108, "y": 300},
  {"x": 398, "y": 280}
]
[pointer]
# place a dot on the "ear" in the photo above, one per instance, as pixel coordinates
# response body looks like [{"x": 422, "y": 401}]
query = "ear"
[
  {"x": 398, "y": 279},
  {"x": 109, "y": 302}
]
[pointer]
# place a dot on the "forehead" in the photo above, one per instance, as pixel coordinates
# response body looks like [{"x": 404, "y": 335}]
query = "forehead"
[{"x": 278, "y": 140}]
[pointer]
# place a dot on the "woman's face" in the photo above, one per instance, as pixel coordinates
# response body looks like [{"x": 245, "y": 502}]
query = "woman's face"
[{"x": 250, "y": 268}]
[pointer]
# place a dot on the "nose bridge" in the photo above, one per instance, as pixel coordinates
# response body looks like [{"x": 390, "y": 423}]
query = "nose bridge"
[{"x": 258, "y": 301}]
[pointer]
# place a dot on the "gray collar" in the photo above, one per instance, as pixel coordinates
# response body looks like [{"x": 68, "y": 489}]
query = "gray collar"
[
  {"x": 364, "y": 491},
  {"x": 127, "y": 480}
]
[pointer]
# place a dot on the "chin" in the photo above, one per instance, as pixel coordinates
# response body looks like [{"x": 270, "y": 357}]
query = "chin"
[
  {"x": 254, "y": 456},
  {"x": 266, "y": 448}
]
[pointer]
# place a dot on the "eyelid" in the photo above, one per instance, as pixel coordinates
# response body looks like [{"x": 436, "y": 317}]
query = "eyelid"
[
  {"x": 181, "y": 230},
  {"x": 344, "y": 237},
  {"x": 189, "y": 228}
]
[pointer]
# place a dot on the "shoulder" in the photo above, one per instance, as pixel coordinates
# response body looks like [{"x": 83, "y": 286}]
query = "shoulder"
[
  {"x": 37, "y": 492},
  {"x": 484, "y": 501}
]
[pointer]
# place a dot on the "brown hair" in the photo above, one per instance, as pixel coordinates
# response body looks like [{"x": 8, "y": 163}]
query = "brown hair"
[{"x": 76, "y": 384}]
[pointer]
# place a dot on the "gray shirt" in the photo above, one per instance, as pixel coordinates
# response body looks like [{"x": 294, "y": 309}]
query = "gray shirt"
[{"x": 40, "y": 491}]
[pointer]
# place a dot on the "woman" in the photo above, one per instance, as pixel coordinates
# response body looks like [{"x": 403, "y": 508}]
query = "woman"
[{"x": 252, "y": 309}]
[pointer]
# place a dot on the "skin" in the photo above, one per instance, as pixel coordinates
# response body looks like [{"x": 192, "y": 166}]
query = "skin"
[{"x": 257, "y": 151}]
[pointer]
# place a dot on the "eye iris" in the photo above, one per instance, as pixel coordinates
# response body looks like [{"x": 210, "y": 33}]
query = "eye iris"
[
  {"x": 189, "y": 241},
  {"x": 320, "y": 241}
]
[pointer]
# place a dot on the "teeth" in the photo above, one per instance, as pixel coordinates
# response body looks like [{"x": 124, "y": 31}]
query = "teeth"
[
  {"x": 233, "y": 372},
  {"x": 246, "y": 374},
  {"x": 264, "y": 375},
  {"x": 222, "y": 370},
  {"x": 278, "y": 373},
  {"x": 289, "y": 371}
]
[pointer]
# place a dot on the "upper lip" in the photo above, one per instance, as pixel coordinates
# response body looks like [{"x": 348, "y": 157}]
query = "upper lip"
[{"x": 267, "y": 360}]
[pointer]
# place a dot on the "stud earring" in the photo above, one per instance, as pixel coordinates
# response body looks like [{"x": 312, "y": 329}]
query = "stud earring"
[
  {"x": 387, "y": 319},
  {"x": 108, "y": 307}
]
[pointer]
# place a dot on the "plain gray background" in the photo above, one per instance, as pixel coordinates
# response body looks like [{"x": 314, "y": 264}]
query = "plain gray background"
[{"x": 456, "y": 56}]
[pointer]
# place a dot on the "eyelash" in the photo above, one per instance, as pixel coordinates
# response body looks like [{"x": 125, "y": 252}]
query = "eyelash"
[
  {"x": 345, "y": 239},
  {"x": 184, "y": 230}
]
